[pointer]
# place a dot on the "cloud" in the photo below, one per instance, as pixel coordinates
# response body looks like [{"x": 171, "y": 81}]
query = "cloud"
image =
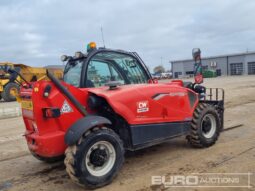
[{"x": 39, "y": 32}]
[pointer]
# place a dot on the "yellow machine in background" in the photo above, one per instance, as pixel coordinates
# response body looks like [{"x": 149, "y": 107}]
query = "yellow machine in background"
[{"x": 9, "y": 89}]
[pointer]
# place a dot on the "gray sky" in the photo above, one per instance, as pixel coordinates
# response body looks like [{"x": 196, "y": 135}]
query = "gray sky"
[{"x": 38, "y": 32}]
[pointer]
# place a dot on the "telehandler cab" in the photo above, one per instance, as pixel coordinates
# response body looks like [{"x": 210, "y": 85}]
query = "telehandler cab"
[{"x": 108, "y": 103}]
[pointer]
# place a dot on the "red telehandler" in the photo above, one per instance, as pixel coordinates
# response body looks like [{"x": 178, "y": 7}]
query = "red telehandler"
[{"x": 108, "y": 103}]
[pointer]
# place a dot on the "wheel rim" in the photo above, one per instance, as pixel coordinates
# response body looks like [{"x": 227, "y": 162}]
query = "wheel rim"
[
  {"x": 100, "y": 158},
  {"x": 13, "y": 92},
  {"x": 208, "y": 126}
]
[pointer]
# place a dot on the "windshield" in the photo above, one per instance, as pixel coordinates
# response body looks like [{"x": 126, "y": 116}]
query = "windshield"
[
  {"x": 72, "y": 73},
  {"x": 4, "y": 68}
]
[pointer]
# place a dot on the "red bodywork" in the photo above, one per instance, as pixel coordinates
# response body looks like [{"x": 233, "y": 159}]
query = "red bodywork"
[{"x": 137, "y": 104}]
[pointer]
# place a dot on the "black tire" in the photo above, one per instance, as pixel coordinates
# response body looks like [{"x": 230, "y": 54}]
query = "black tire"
[
  {"x": 77, "y": 155},
  {"x": 6, "y": 94},
  {"x": 47, "y": 159},
  {"x": 205, "y": 126}
]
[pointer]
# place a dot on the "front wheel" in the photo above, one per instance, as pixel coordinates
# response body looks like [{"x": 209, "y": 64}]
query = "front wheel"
[
  {"x": 10, "y": 92},
  {"x": 96, "y": 159},
  {"x": 205, "y": 126}
]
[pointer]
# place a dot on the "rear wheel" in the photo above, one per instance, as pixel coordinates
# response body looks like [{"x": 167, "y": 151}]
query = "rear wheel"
[
  {"x": 96, "y": 159},
  {"x": 205, "y": 126},
  {"x": 10, "y": 92}
]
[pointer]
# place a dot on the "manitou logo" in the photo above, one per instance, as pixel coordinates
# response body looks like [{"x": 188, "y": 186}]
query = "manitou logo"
[{"x": 142, "y": 106}]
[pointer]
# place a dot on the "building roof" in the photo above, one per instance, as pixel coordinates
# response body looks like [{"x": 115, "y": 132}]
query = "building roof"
[
  {"x": 218, "y": 56},
  {"x": 55, "y": 66}
]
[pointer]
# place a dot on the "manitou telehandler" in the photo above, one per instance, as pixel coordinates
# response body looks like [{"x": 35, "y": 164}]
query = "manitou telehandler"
[{"x": 108, "y": 103}]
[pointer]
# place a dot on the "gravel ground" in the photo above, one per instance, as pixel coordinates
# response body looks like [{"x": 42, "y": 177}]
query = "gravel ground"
[{"x": 233, "y": 153}]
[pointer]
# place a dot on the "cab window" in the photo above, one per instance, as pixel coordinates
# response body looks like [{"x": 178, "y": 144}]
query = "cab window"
[
  {"x": 99, "y": 73},
  {"x": 5, "y": 67},
  {"x": 72, "y": 73},
  {"x": 111, "y": 66}
]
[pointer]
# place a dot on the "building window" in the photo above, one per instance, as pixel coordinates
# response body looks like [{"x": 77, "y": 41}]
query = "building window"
[
  {"x": 177, "y": 74},
  {"x": 218, "y": 72},
  {"x": 189, "y": 72},
  {"x": 236, "y": 69},
  {"x": 205, "y": 67},
  {"x": 251, "y": 68}
]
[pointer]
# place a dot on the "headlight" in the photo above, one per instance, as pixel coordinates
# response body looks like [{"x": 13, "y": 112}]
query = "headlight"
[
  {"x": 64, "y": 58},
  {"x": 78, "y": 55}
]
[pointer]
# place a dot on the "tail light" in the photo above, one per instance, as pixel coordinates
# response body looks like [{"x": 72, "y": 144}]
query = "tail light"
[
  {"x": 34, "y": 126},
  {"x": 51, "y": 112}
]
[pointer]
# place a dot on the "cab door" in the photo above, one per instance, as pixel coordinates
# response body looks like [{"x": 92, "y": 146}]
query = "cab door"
[
  {"x": 99, "y": 73},
  {"x": 105, "y": 65}
]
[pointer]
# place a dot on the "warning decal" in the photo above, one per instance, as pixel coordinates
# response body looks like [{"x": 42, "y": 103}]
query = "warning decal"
[{"x": 66, "y": 108}]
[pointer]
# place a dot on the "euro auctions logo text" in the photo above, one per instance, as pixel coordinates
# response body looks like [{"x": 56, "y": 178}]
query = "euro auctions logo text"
[
  {"x": 233, "y": 180},
  {"x": 169, "y": 181}
]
